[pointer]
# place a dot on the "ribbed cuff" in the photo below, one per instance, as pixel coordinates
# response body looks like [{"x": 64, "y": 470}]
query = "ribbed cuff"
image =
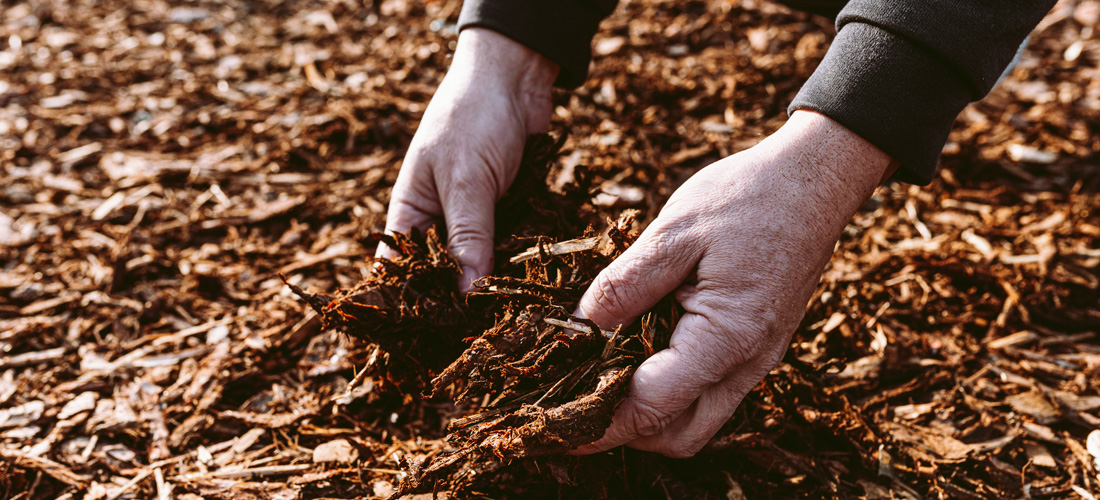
[
  {"x": 560, "y": 30},
  {"x": 890, "y": 92}
]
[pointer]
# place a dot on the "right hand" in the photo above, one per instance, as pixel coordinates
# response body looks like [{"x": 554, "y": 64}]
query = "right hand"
[
  {"x": 741, "y": 245},
  {"x": 468, "y": 147}
]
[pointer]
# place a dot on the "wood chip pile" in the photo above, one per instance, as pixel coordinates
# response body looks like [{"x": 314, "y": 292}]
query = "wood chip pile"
[{"x": 163, "y": 164}]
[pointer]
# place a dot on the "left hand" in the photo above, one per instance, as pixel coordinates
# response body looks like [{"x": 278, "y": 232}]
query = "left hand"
[
  {"x": 467, "y": 149},
  {"x": 742, "y": 244}
]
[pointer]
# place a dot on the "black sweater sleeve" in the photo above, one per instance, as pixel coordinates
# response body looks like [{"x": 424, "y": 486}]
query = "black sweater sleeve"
[
  {"x": 898, "y": 73},
  {"x": 560, "y": 30}
]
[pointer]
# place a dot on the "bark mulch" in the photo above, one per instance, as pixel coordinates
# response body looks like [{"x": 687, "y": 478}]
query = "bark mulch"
[{"x": 167, "y": 168}]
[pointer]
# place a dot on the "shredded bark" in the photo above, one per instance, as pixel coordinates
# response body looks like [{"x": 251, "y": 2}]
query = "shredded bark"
[{"x": 161, "y": 164}]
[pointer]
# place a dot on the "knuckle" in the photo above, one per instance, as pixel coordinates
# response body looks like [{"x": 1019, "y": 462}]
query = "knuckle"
[
  {"x": 472, "y": 178},
  {"x": 662, "y": 245},
  {"x": 617, "y": 287},
  {"x": 462, "y": 233},
  {"x": 607, "y": 293},
  {"x": 471, "y": 187},
  {"x": 660, "y": 242},
  {"x": 737, "y": 348},
  {"x": 407, "y": 205},
  {"x": 706, "y": 368},
  {"x": 647, "y": 420}
]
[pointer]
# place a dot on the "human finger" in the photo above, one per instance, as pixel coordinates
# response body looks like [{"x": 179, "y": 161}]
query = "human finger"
[
  {"x": 655, "y": 265},
  {"x": 469, "y": 212},
  {"x": 412, "y": 205},
  {"x": 662, "y": 389},
  {"x": 691, "y": 431}
]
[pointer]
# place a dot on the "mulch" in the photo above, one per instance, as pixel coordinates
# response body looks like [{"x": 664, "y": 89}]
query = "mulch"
[{"x": 163, "y": 166}]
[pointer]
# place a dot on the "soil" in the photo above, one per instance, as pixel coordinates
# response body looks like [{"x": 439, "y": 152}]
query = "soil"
[{"x": 165, "y": 167}]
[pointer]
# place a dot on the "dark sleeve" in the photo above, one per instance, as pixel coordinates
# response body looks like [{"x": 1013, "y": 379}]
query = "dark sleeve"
[
  {"x": 560, "y": 30},
  {"x": 899, "y": 72}
]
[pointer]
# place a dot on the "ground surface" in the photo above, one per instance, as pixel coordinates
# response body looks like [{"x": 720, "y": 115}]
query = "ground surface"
[{"x": 161, "y": 163}]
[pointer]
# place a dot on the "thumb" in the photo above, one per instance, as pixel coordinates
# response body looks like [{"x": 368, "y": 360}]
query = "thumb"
[
  {"x": 662, "y": 387},
  {"x": 654, "y": 266},
  {"x": 666, "y": 387},
  {"x": 469, "y": 220}
]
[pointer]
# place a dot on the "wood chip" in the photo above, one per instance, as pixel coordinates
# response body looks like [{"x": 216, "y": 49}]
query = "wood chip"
[
  {"x": 337, "y": 450},
  {"x": 559, "y": 248},
  {"x": 47, "y": 466},
  {"x": 32, "y": 358}
]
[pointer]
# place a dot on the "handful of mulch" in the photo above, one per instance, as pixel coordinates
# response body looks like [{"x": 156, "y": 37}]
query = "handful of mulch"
[
  {"x": 547, "y": 382},
  {"x": 408, "y": 306},
  {"x": 533, "y": 379},
  {"x": 537, "y": 382}
]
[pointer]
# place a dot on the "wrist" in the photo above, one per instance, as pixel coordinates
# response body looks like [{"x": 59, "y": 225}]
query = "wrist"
[
  {"x": 840, "y": 158},
  {"x": 495, "y": 58},
  {"x": 495, "y": 64}
]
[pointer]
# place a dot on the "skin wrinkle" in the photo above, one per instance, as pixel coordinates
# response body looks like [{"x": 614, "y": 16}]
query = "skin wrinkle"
[
  {"x": 712, "y": 404},
  {"x": 741, "y": 351},
  {"x": 541, "y": 102},
  {"x": 606, "y": 297},
  {"x": 461, "y": 231},
  {"x": 656, "y": 251},
  {"x": 694, "y": 352},
  {"x": 682, "y": 426},
  {"x": 647, "y": 419},
  {"x": 659, "y": 247},
  {"x": 756, "y": 272},
  {"x": 464, "y": 189},
  {"x": 501, "y": 183}
]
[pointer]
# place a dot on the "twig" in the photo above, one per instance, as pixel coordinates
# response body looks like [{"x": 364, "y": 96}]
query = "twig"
[
  {"x": 32, "y": 358},
  {"x": 42, "y": 305},
  {"x": 560, "y": 248},
  {"x": 383, "y": 471},
  {"x": 51, "y": 468},
  {"x": 137, "y": 479},
  {"x": 194, "y": 330},
  {"x": 274, "y": 470},
  {"x": 163, "y": 491},
  {"x": 576, "y": 327}
]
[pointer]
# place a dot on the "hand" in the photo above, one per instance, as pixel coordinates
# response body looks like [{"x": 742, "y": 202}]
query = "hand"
[
  {"x": 468, "y": 147},
  {"x": 742, "y": 244}
]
